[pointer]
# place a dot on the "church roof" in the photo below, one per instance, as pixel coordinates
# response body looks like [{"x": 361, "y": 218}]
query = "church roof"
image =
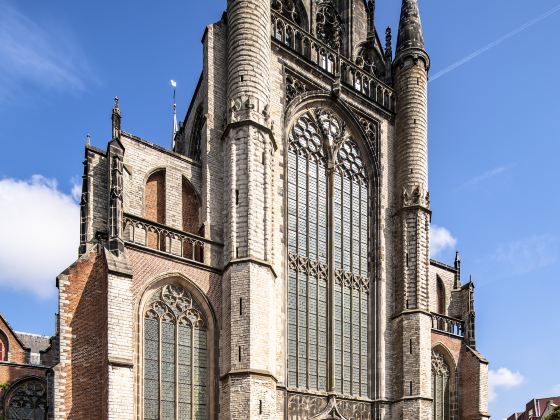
[
  {"x": 410, "y": 28},
  {"x": 35, "y": 343}
]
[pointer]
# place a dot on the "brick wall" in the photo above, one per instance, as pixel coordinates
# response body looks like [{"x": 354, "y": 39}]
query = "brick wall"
[{"x": 83, "y": 340}]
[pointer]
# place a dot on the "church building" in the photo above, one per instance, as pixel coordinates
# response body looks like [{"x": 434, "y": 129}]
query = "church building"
[{"x": 274, "y": 262}]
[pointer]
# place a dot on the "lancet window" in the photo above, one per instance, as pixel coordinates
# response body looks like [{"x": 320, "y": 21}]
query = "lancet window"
[
  {"x": 328, "y": 244},
  {"x": 441, "y": 389},
  {"x": 175, "y": 349}
]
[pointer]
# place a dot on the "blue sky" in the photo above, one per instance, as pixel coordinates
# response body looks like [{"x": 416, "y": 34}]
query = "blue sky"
[{"x": 493, "y": 150}]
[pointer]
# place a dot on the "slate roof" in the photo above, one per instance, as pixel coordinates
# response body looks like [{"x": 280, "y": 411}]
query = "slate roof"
[{"x": 35, "y": 343}]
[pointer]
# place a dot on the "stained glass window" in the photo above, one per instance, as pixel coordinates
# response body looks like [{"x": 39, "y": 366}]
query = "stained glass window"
[
  {"x": 175, "y": 357},
  {"x": 318, "y": 141},
  {"x": 441, "y": 391}
]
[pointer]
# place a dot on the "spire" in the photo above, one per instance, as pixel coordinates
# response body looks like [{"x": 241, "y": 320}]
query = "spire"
[
  {"x": 175, "y": 125},
  {"x": 371, "y": 18},
  {"x": 410, "y": 28},
  {"x": 457, "y": 270},
  {"x": 116, "y": 119}
]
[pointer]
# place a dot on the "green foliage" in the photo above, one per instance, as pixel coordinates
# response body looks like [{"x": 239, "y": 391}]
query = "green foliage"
[
  {"x": 3, "y": 387},
  {"x": 555, "y": 414}
]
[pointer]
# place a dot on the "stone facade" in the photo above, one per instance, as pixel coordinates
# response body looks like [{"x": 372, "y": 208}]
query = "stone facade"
[{"x": 209, "y": 222}]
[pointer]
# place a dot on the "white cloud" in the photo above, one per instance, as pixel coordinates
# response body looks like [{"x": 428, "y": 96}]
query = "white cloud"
[
  {"x": 502, "y": 378},
  {"x": 40, "y": 233},
  {"x": 529, "y": 254},
  {"x": 76, "y": 190},
  {"x": 39, "y": 55},
  {"x": 440, "y": 240}
]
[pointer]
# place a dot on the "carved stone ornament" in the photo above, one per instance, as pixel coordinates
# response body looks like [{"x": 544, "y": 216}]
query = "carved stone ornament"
[
  {"x": 370, "y": 129},
  {"x": 246, "y": 107},
  {"x": 415, "y": 196},
  {"x": 294, "y": 87},
  {"x": 314, "y": 407}
]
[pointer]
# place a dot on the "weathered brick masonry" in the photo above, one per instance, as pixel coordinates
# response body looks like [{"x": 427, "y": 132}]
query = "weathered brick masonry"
[{"x": 276, "y": 263}]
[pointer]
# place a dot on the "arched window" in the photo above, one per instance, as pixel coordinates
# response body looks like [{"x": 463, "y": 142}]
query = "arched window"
[
  {"x": 27, "y": 400},
  {"x": 175, "y": 366},
  {"x": 328, "y": 245},
  {"x": 441, "y": 387},
  {"x": 441, "y": 306},
  {"x": 193, "y": 150},
  {"x": 3, "y": 350},
  {"x": 154, "y": 207}
]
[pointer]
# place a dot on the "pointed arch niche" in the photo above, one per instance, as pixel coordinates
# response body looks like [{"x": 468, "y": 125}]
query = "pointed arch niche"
[
  {"x": 155, "y": 206},
  {"x": 176, "y": 352}
]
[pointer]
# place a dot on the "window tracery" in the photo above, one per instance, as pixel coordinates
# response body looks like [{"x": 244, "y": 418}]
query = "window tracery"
[
  {"x": 292, "y": 10},
  {"x": 320, "y": 140},
  {"x": 329, "y": 27},
  {"x": 441, "y": 389},
  {"x": 28, "y": 400},
  {"x": 175, "y": 356}
]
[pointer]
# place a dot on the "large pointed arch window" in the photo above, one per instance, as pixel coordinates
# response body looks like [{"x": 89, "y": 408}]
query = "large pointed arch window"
[
  {"x": 328, "y": 287},
  {"x": 175, "y": 349},
  {"x": 441, "y": 388}
]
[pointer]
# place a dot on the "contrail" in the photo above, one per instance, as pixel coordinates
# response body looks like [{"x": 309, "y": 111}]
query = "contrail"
[{"x": 495, "y": 43}]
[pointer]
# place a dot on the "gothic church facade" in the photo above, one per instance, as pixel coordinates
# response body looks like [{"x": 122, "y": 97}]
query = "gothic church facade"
[{"x": 274, "y": 264}]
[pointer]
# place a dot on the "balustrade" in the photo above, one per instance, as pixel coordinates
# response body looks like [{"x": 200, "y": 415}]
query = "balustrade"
[
  {"x": 448, "y": 325},
  {"x": 290, "y": 35},
  {"x": 153, "y": 235}
]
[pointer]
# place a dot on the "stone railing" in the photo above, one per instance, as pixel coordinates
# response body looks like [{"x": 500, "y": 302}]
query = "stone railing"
[
  {"x": 148, "y": 234},
  {"x": 448, "y": 325},
  {"x": 291, "y": 36}
]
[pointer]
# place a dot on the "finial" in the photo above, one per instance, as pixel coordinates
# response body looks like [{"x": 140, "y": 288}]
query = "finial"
[
  {"x": 88, "y": 140},
  {"x": 388, "y": 39},
  {"x": 116, "y": 119},
  {"x": 371, "y": 18},
  {"x": 175, "y": 125}
]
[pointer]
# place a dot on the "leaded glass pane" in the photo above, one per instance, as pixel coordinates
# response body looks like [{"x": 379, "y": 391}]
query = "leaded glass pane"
[
  {"x": 151, "y": 369},
  {"x": 175, "y": 361},
  {"x": 308, "y": 236}
]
